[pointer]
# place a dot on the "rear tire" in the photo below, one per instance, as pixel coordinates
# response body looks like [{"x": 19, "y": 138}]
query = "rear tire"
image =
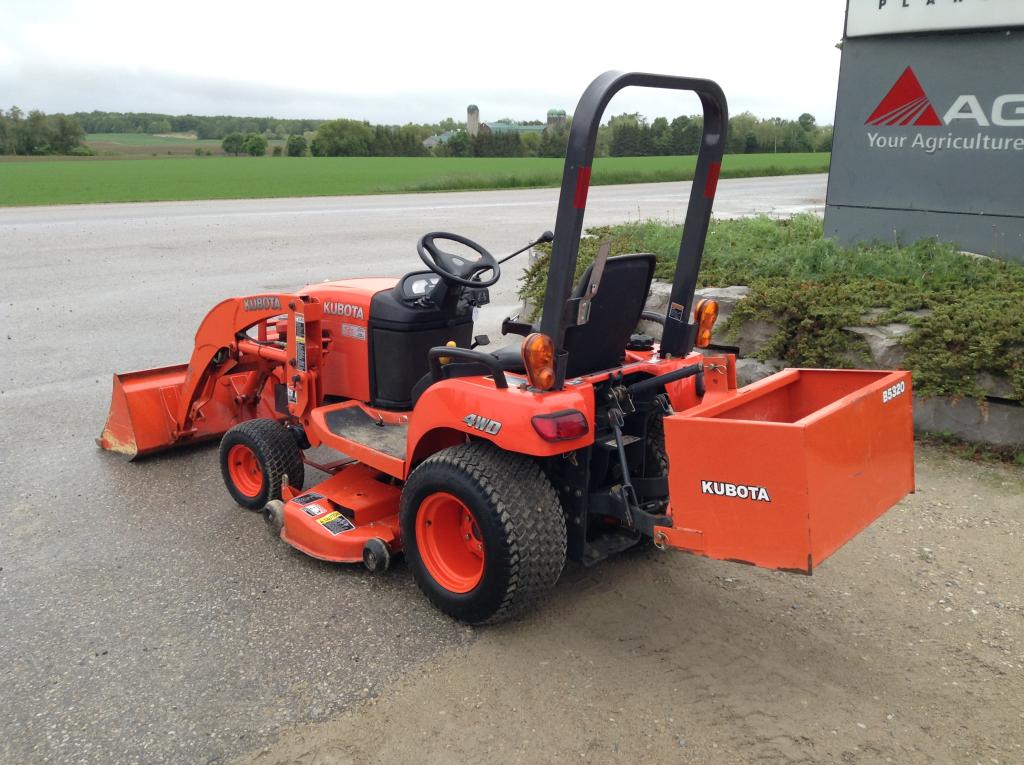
[
  {"x": 483, "y": 531},
  {"x": 255, "y": 456}
]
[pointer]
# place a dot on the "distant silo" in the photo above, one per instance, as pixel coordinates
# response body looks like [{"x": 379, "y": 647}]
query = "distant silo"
[
  {"x": 556, "y": 117},
  {"x": 472, "y": 119}
]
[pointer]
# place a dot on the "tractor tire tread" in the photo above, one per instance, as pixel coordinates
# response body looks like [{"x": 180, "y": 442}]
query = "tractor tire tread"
[
  {"x": 530, "y": 514},
  {"x": 279, "y": 453}
]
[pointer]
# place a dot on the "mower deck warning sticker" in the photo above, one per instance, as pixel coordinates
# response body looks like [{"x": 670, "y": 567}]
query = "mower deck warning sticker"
[
  {"x": 336, "y": 523},
  {"x": 314, "y": 510},
  {"x": 305, "y": 499}
]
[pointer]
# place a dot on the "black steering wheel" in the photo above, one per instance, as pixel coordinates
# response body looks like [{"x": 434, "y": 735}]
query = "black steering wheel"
[{"x": 456, "y": 268}]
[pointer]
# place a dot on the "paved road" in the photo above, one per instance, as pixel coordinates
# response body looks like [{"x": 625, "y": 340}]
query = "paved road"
[{"x": 144, "y": 617}]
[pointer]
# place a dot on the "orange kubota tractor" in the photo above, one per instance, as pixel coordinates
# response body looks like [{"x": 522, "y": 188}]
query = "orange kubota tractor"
[{"x": 581, "y": 439}]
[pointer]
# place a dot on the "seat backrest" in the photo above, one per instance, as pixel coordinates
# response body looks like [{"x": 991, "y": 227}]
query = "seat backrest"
[{"x": 614, "y": 313}]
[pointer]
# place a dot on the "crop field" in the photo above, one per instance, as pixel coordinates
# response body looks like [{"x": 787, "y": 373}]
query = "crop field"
[
  {"x": 145, "y": 139},
  {"x": 169, "y": 178},
  {"x": 143, "y": 145}
]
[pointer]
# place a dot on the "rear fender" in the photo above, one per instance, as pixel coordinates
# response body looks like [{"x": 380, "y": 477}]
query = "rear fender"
[{"x": 472, "y": 406}]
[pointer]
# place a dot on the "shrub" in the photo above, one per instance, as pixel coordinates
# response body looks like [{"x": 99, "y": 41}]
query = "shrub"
[
  {"x": 255, "y": 145},
  {"x": 233, "y": 143},
  {"x": 967, "y": 318},
  {"x": 296, "y": 146}
]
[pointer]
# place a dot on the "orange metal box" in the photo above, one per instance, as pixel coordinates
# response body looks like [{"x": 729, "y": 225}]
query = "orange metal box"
[{"x": 783, "y": 472}]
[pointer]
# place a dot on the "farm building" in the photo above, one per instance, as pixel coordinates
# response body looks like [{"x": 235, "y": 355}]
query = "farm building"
[
  {"x": 555, "y": 118},
  {"x": 434, "y": 140}
]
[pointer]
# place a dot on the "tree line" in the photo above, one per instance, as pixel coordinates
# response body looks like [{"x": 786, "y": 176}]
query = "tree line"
[
  {"x": 630, "y": 135},
  {"x": 624, "y": 135},
  {"x": 36, "y": 133},
  {"x": 204, "y": 127}
]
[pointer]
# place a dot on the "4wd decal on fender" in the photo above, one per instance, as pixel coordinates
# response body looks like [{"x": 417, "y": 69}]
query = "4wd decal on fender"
[
  {"x": 347, "y": 310},
  {"x": 491, "y": 427},
  {"x": 739, "y": 491}
]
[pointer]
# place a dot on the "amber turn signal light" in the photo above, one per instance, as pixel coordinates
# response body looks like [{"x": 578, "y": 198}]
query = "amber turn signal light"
[
  {"x": 539, "y": 359},
  {"x": 704, "y": 316}
]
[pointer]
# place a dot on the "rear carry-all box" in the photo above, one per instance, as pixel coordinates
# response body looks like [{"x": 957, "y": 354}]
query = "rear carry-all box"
[{"x": 783, "y": 472}]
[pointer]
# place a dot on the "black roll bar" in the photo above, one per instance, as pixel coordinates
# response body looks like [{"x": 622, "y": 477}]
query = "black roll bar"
[{"x": 559, "y": 312}]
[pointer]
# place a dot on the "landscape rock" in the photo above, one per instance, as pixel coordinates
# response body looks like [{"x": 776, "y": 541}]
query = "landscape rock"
[
  {"x": 887, "y": 351},
  {"x": 997, "y": 424},
  {"x": 997, "y": 386},
  {"x": 753, "y": 336},
  {"x": 727, "y": 298},
  {"x": 660, "y": 293},
  {"x": 658, "y": 301},
  {"x": 751, "y": 370}
]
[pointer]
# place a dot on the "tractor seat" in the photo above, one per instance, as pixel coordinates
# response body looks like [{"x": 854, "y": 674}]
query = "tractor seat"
[{"x": 614, "y": 313}]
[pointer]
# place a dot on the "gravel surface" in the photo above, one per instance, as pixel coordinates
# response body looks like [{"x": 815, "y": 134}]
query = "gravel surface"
[{"x": 907, "y": 646}]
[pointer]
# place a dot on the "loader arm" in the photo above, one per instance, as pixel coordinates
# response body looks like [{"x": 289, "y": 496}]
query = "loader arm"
[
  {"x": 223, "y": 383},
  {"x": 219, "y": 331}
]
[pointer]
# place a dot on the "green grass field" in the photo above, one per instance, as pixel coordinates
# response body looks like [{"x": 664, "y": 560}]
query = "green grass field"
[
  {"x": 161, "y": 179},
  {"x": 145, "y": 146}
]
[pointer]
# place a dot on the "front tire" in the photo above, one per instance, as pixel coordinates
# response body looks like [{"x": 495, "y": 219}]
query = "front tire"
[
  {"x": 483, "y": 531},
  {"x": 255, "y": 456}
]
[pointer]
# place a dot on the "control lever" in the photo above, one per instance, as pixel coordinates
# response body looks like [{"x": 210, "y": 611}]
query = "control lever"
[
  {"x": 583, "y": 310},
  {"x": 616, "y": 419},
  {"x": 546, "y": 237},
  {"x": 511, "y": 325}
]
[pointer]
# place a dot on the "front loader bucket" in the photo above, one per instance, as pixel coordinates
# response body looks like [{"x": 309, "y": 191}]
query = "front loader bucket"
[
  {"x": 784, "y": 472},
  {"x": 142, "y": 407}
]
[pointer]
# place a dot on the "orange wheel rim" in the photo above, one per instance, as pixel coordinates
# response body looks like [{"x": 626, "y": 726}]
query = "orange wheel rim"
[
  {"x": 244, "y": 469},
  {"x": 449, "y": 542}
]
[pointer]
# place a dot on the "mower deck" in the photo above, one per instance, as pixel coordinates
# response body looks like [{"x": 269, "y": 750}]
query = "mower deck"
[{"x": 334, "y": 520}]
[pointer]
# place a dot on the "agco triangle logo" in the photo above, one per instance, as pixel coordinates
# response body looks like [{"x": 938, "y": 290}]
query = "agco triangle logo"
[{"x": 905, "y": 104}]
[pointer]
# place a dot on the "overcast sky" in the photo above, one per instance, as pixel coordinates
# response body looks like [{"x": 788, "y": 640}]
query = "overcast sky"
[{"x": 394, "y": 62}]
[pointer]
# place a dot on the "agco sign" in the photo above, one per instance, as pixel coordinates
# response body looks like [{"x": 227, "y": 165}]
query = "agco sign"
[
  {"x": 929, "y": 125},
  {"x": 907, "y": 105}
]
